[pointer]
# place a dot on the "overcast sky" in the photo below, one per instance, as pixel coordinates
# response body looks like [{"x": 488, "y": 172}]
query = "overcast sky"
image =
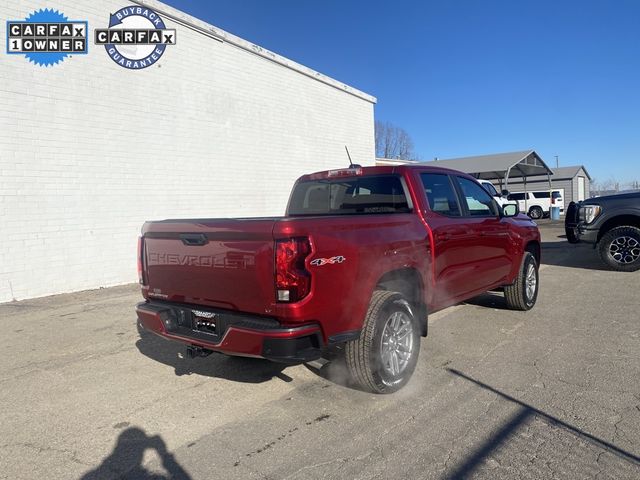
[{"x": 472, "y": 77}]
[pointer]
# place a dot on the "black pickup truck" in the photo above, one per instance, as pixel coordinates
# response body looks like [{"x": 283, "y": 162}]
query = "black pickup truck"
[{"x": 612, "y": 225}]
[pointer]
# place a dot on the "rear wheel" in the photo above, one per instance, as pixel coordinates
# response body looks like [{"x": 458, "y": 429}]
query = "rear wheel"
[
  {"x": 536, "y": 213},
  {"x": 522, "y": 295},
  {"x": 383, "y": 359},
  {"x": 619, "y": 248}
]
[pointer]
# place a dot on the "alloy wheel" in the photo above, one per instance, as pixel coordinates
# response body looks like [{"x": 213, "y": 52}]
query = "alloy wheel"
[
  {"x": 625, "y": 250},
  {"x": 531, "y": 281},
  {"x": 397, "y": 343}
]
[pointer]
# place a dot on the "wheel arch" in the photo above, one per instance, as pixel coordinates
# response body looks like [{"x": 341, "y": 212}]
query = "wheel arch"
[
  {"x": 534, "y": 248},
  {"x": 408, "y": 282},
  {"x": 625, "y": 220}
]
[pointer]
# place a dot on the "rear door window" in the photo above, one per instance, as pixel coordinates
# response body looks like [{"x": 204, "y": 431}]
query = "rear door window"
[
  {"x": 440, "y": 194},
  {"x": 516, "y": 196},
  {"x": 353, "y": 195}
]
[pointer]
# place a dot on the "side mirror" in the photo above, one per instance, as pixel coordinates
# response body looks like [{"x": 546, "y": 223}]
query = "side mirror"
[
  {"x": 505, "y": 193},
  {"x": 510, "y": 210}
]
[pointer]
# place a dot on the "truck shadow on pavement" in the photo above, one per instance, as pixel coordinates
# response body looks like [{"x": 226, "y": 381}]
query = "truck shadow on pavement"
[
  {"x": 125, "y": 461},
  {"x": 237, "y": 369},
  {"x": 579, "y": 449},
  {"x": 565, "y": 254}
]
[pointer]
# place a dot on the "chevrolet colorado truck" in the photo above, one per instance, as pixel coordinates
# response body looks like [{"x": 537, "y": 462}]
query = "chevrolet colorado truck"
[
  {"x": 612, "y": 225},
  {"x": 358, "y": 261}
]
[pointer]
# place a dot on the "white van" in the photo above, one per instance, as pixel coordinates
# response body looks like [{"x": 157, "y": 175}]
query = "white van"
[
  {"x": 499, "y": 198},
  {"x": 538, "y": 204}
]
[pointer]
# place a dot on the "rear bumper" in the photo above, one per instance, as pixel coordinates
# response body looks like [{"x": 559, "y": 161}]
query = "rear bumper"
[{"x": 231, "y": 333}]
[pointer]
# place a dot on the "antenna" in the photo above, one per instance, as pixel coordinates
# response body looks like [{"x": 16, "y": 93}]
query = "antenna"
[
  {"x": 348, "y": 155},
  {"x": 351, "y": 164}
]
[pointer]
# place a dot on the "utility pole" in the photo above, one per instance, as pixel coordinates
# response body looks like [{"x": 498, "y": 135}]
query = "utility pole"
[{"x": 557, "y": 162}]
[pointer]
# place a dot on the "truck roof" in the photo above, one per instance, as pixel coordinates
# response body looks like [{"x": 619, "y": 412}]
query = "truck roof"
[{"x": 381, "y": 170}]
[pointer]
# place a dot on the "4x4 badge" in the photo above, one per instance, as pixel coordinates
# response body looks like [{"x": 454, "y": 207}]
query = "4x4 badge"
[{"x": 319, "y": 262}]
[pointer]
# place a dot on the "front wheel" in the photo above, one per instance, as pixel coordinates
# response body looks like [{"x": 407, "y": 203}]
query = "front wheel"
[
  {"x": 619, "y": 248},
  {"x": 522, "y": 295},
  {"x": 383, "y": 359}
]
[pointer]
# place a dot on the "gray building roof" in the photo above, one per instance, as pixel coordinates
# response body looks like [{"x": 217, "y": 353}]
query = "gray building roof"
[
  {"x": 568, "y": 172},
  {"x": 526, "y": 163}
]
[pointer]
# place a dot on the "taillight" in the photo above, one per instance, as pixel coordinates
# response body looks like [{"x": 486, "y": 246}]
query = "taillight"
[
  {"x": 140, "y": 255},
  {"x": 293, "y": 281}
]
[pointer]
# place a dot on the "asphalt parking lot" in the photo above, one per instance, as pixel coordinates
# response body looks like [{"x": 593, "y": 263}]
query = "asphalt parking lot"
[{"x": 550, "y": 393}]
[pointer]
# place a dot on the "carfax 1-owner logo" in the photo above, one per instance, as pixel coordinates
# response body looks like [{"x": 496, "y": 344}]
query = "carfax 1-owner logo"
[
  {"x": 136, "y": 37},
  {"x": 46, "y": 37}
]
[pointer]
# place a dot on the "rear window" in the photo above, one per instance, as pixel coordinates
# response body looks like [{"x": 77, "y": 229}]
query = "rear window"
[
  {"x": 344, "y": 196},
  {"x": 555, "y": 194},
  {"x": 516, "y": 196}
]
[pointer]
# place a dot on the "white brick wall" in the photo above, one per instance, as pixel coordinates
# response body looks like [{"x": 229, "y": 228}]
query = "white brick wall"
[{"x": 90, "y": 150}]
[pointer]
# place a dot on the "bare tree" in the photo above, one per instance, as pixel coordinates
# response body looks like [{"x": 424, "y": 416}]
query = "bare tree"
[
  {"x": 610, "y": 184},
  {"x": 393, "y": 142}
]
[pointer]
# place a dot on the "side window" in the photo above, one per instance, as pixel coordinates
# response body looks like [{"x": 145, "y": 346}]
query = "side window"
[
  {"x": 541, "y": 194},
  {"x": 479, "y": 202},
  {"x": 490, "y": 188},
  {"x": 440, "y": 194},
  {"x": 516, "y": 196}
]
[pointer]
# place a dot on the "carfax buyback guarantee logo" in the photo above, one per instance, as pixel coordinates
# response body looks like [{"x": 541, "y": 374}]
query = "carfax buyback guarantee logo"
[
  {"x": 46, "y": 37},
  {"x": 136, "y": 38}
]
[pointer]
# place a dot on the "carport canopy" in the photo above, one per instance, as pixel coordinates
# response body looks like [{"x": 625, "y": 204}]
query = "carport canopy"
[{"x": 500, "y": 166}]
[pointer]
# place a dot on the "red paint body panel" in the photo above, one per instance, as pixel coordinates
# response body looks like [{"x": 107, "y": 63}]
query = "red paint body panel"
[{"x": 454, "y": 259}]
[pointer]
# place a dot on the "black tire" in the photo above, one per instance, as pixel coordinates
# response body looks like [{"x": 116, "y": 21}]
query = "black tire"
[
  {"x": 570, "y": 222},
  {"x": 365, "y": 356},
  {"x": 619, "y": 249},
  {"x": 519, "y": 296},
  {"x": 571, "y": 235},
  {"x": 536, "y": 213}
]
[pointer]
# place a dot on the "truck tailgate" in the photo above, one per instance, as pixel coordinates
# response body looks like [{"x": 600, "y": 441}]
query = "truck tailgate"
[{"x": 219, "y": 262}]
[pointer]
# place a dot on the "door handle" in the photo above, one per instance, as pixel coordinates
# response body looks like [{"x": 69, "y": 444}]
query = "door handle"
[{"x": 193, "y": 239}]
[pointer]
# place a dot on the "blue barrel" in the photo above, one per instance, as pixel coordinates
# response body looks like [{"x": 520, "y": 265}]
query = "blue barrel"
[{"x": 555, "y": 213}]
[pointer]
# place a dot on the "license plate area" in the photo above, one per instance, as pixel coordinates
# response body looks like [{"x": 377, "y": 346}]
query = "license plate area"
[
  {"x": 197, "y": 323},
  {"x": 208, "y": 324},
  {"x": 205, "y": 322}
]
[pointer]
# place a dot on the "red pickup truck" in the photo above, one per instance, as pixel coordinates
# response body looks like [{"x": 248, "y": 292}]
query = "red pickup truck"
[{"x": 360, "y": 258}]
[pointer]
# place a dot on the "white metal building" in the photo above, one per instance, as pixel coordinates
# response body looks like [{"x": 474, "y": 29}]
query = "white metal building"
[{"x": 89, "y": 150}]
